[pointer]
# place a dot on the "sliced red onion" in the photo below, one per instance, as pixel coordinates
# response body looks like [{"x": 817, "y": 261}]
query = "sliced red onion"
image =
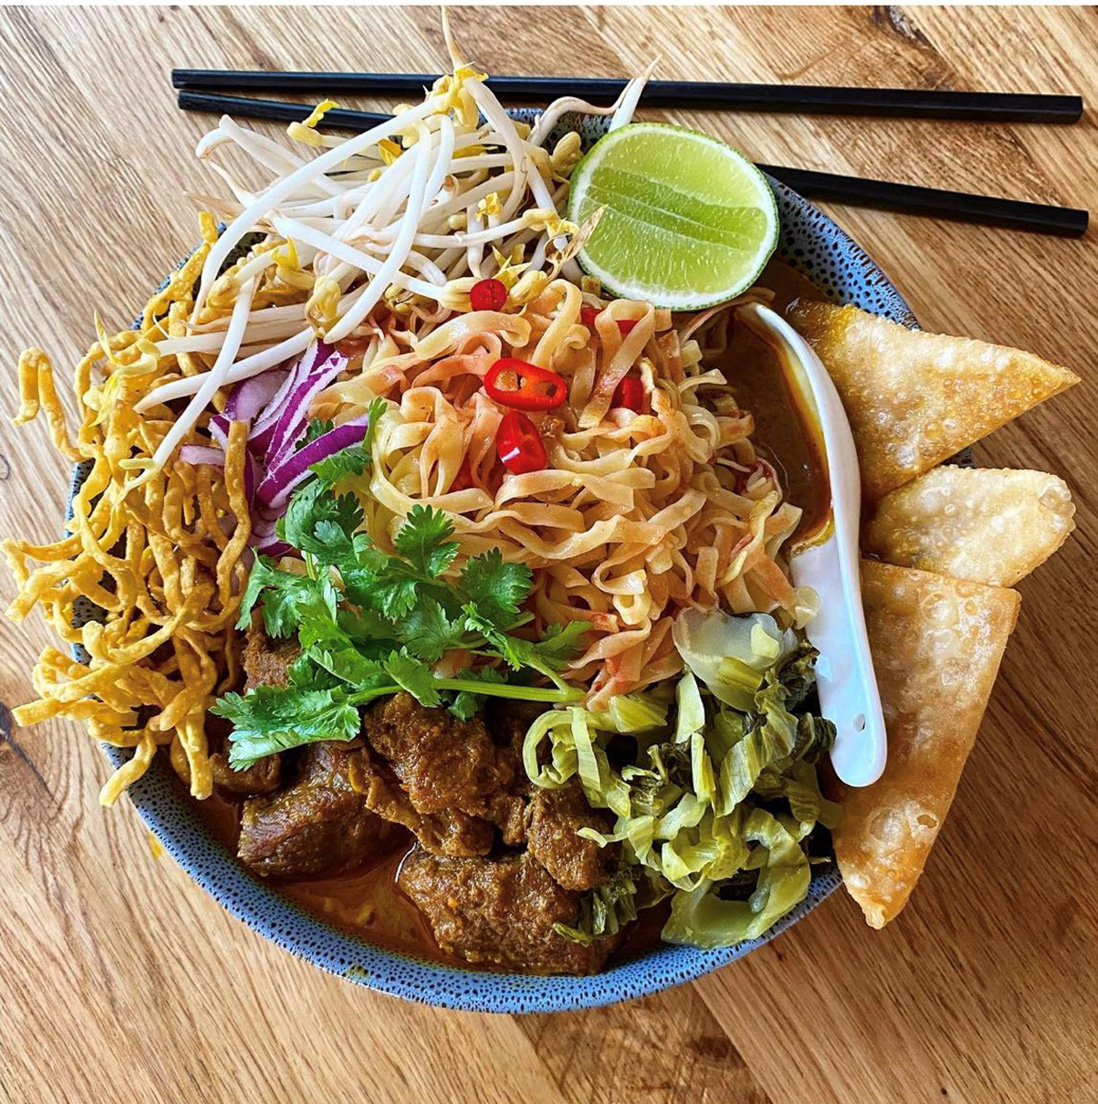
[
  {"x": 219, "y": 430},
  {"x": 202, "y": 454},
  {"x": 283, "y": 477},
  {"x": 262, "y": 528},
  {"x": 266, "y": 515},
  {"x": 295, "y": 411},
  {"x": 249, "y": 397},
  {"x": 264, "y": 524},
  {"x": 274, "y": 548},
  {"x": 264, "y": 537},
  {"x": 265, "y": 423},
  {"x": 259, "y": 439}
]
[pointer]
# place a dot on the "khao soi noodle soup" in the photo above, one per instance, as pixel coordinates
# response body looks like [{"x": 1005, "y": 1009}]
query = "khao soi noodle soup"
[{"x": 452, "y": 582}]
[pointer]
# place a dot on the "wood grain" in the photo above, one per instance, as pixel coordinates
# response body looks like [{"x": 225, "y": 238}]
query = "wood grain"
[{"x": 123, "y": 981}]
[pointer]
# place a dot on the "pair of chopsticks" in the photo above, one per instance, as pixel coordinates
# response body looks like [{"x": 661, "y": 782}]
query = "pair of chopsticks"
[{"x": 202, "y": 90}]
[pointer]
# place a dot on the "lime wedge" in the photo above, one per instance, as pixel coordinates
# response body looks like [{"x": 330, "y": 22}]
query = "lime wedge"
[{"x": 687, "y": 222}]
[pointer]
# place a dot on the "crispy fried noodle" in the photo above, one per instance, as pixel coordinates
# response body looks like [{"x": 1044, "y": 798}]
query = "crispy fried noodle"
[{"x": 373, "y": 244}]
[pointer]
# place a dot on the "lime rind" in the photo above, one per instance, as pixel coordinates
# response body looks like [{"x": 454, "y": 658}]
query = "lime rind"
[{"x": 694, "y": 246}]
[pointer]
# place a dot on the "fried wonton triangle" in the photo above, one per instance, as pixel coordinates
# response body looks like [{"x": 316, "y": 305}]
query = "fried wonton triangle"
[
  {"x": 915, "y": 398},
  {"x": 988, "y": 525},
  {"x": 936, "y": 644}
]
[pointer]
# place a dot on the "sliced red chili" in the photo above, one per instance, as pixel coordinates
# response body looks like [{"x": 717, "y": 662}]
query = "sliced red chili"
[
  {"x": 589, "y": 314},
  {"x": 487, "y": 295},
  {"x": 524, "y": 386},
  {"x": 629, "y": 394},
  {"x": 519, "y": 444}
]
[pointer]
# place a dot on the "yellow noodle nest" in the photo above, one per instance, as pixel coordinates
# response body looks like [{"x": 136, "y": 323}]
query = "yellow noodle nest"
[{"x": 162, "y": 556}]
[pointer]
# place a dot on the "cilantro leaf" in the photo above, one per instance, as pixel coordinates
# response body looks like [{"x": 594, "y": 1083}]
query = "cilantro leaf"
[
  {"x": 343, "y": 513},
  {"x": 465, "y": 705},
  {"x": 498, "y": 588},
  {"x": 329, "y": 535},
  {"x": 306, "y": 675},
  {"x": 258, "y": 579},
  {"x": 352, "y": 460},
  {"x": 428, "y": 633},
  {"x": 561, "y": 643},
  {"x": 415, "y": 677},
  {"x": 374, "y": 413},
  {"x": 395, "y": 591},
  {"x": 280, "y": 612},
  {"x": 296, "y": 524},
  {"x": 423, "y": 542},
  {"x": 317, "y": 428},
  {"x": 272, "y": 718},
  {"x": 378, "y": 582},
  {"x": 351, "y": 666},
  {"x": 363, "y": 623},
  {"x": 322, "y": 524},
  {"x": 286, "y": 598},
  {"x": 324, "y": 638},
  {"x": 359, "y": 572}
]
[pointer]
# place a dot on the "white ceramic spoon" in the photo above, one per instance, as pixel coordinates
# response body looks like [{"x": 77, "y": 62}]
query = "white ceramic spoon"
[{"x": 829, "y": 562}]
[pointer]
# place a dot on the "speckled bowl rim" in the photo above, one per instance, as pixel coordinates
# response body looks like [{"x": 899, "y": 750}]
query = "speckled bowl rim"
[{"x": 820, "y": 249}]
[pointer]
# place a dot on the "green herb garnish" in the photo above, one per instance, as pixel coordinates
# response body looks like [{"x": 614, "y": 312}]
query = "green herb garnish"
[
  {"x": 317, "y": 427},
  {"x": 371, "y": 624}
]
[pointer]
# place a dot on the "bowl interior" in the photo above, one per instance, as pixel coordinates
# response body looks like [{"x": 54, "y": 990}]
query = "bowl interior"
[{"x": 812, "y": 243}]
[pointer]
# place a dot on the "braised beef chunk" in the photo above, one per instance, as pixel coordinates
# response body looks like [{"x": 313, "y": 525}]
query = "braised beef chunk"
[
  {"x": 266, "y": 661},
  {"x": 446, "y": 833},
  {"x": 553, "y": 818},
  {"x": 445, "y": 766},
  {"x": 260, "y": 778},
  {"x": 319, "y": 825},
  {"x": 500, "y": 911}
]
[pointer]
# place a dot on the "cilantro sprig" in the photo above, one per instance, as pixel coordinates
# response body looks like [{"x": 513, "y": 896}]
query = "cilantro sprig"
[{"x": 371, "y": 623}]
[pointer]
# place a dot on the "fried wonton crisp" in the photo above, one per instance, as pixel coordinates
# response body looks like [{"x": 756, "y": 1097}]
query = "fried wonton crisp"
[
  {"x": 915, "y": 398},
  {"x": 984, "y": 524},
  {"x": 936, "y": 644}
]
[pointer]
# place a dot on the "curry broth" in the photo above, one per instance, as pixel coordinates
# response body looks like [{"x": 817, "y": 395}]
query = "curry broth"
[
  {"x": 367, "y": 902},
  {"x": 784, "y": 433}
]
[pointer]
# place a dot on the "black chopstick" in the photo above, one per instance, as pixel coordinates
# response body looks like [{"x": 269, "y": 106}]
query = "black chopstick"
[
  {"x": 912, "y": 199},
  {"x": 278, "y": 111},
  {"x": 1004, "y": 107},
  {"x": 905, "y": 198}
]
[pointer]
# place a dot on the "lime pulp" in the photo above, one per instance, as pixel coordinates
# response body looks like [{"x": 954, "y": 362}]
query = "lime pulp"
[{"x": 686, "y": 222}]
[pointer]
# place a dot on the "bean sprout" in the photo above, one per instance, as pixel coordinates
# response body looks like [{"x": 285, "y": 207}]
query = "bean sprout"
[{"x": 400, "y": 218}]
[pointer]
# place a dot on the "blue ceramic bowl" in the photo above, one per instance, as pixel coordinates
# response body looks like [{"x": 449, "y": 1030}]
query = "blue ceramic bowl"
[{"x": 809, "y": 241}]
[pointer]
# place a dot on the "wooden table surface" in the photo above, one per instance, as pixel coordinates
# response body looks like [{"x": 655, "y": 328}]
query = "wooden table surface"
[{"x": 122, "y": 981}]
